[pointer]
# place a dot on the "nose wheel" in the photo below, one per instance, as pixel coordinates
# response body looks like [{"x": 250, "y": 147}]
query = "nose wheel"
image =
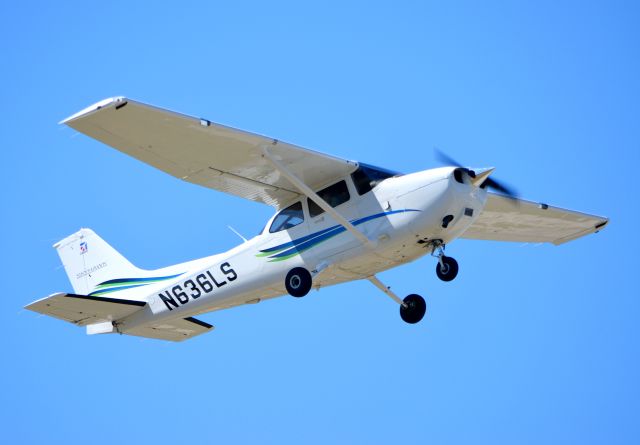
[{"x": 447, "y": 267}]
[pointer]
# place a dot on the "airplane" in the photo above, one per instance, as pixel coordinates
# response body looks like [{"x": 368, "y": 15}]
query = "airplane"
[{"x": 335, "y": 221}]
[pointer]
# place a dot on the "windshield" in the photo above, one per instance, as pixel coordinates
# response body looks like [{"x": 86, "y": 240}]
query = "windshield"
[
  {"x": 366, "y": 177},
  {"x": 287, "y": 218}
]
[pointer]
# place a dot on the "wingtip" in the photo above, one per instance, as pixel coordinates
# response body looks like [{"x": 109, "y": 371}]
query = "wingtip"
[
  {"x": 602, "y": 224},
  {"x": 93, "y": 108}
]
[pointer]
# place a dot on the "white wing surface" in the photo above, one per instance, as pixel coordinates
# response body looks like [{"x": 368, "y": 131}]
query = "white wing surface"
[
  {"x": 509, "y": 219},
  {"x": 205, "y": 153}
]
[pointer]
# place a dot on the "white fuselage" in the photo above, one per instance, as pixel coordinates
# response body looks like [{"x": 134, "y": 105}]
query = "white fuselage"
[{"x": 402, "y": 216}]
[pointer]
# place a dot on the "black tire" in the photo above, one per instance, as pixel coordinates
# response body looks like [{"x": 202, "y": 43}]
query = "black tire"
[
  {"x": 450, "y": 270},
  {"x": 414, "y": 310},
  {"x": 298, "y": 282}
]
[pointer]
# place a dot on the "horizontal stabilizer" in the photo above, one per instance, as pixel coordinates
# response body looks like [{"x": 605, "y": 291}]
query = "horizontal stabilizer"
[
  {"x": 178, "y": 329},
  {"x": 83, "y": 310}
]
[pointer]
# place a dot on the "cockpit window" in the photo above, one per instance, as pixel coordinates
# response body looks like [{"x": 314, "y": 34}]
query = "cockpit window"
[
  {"x": 368, "y": 176},
  {"x": 334, "y": 195},
  {"x": 287, "y": 218}
]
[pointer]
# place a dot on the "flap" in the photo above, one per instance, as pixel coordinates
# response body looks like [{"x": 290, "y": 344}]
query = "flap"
[
  {"x": 205, "y": 153},
  {"x": 178, "y": 329},
  {"x": 83, "y": 310},
  {"x": 509, "y": 219}
]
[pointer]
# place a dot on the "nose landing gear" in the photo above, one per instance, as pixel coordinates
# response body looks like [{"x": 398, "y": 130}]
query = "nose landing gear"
[{"x": 447, "y": 267}]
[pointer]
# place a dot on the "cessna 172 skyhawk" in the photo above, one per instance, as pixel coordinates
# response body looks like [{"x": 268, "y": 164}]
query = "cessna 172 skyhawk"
[{"x": 335, "y": 221}]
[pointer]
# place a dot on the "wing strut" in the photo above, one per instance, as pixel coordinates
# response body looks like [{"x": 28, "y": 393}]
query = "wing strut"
[{"x": 317, "y": 199}]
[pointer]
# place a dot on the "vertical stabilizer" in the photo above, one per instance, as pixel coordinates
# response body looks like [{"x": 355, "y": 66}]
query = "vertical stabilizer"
[{"x": 90, "y": 261}]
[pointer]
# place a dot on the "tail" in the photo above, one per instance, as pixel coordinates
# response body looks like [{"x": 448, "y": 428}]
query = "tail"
[{"x": 89, "y": 261}]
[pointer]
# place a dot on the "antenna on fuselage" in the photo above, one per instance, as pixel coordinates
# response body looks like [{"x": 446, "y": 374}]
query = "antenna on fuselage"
[{"x": 237, "y": 233}]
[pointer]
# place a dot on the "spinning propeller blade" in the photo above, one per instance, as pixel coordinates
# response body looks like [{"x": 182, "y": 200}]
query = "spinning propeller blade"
[{"x": 445, "y": 159}]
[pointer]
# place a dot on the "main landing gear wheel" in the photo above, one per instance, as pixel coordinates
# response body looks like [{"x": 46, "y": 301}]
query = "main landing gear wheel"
[
  {"x": 413, "y": 308},
  {"x": 447, "y": 268},
  {"x": 298, "y": 282}
]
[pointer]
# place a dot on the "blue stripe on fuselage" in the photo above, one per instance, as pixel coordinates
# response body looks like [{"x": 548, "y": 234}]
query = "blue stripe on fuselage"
[{"x": 308, "y": 241}]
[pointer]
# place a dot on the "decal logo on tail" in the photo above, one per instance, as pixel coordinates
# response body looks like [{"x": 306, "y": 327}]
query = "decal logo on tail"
[{"x": 83, "y": 247}]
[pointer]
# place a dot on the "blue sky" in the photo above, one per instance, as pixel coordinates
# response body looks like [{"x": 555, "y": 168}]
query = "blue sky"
[{"x": 530, "y": 344}]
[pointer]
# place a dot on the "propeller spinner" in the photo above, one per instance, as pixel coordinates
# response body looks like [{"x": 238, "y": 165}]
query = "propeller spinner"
[{"x": 482, "y": 179}]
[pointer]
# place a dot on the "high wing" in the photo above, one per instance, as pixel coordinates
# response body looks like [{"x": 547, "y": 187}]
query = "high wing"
[
  {"x": 510, "y": 219},
  {"x": 205, "y": 153}
]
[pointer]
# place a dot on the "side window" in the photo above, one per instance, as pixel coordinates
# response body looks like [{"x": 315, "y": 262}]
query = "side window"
[
  {"x": 334, "y": 195},
  {"x": 287, "y": 218},
  {"x": 367, "y": 177}
]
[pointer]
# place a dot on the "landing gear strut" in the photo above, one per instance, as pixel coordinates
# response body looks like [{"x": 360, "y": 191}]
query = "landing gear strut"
[
  {"x": 447, "y": 267},
  {"x": 412, "y": 308}
]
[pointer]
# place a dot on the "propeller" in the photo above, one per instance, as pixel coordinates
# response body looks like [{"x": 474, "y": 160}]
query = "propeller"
[{"x": 483, "y": 179}]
